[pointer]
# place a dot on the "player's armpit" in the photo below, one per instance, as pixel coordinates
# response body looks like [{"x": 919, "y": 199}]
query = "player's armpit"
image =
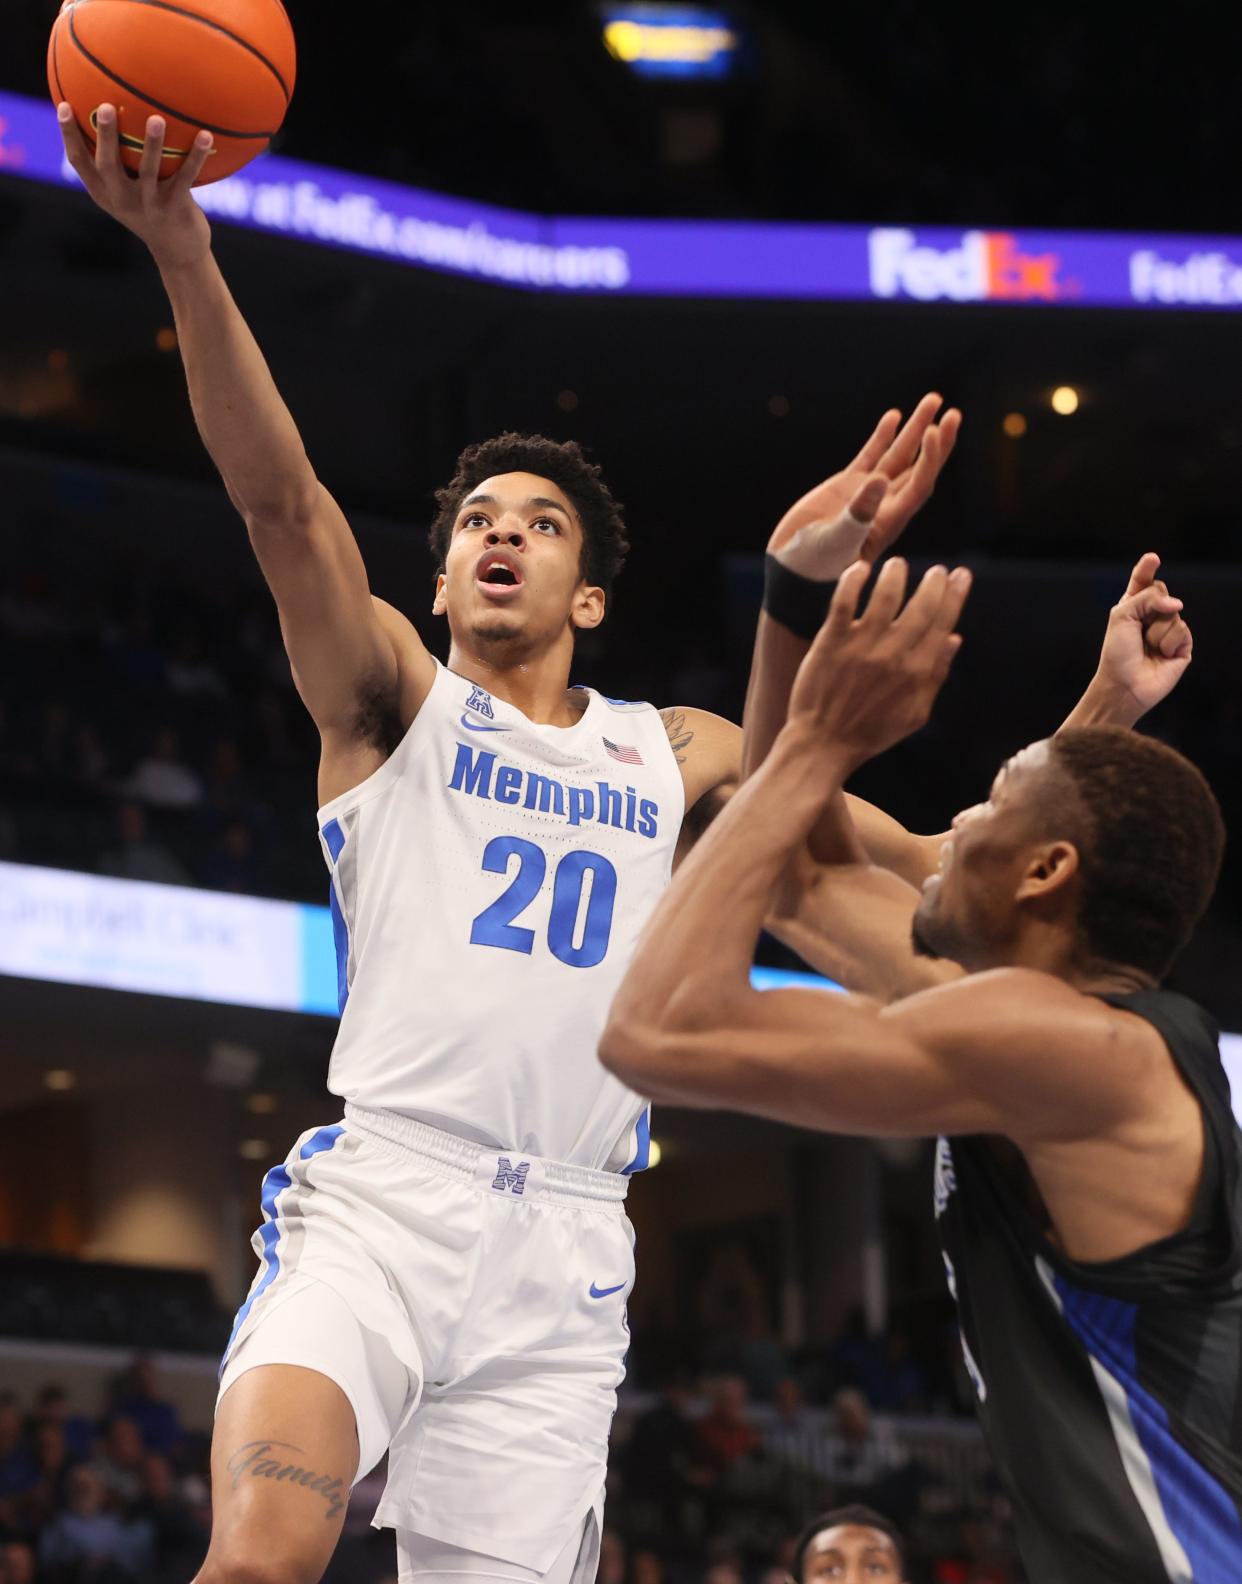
[{"x": 1011, "y": 1052}]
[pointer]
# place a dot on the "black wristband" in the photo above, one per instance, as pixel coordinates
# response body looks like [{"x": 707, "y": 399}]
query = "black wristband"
[{"x": 797, "y": 602}]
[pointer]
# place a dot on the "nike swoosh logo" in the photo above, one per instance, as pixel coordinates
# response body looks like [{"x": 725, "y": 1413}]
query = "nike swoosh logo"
[
  {"x": 603, "y": 1292},
  {"x": 472, "y": 726}
]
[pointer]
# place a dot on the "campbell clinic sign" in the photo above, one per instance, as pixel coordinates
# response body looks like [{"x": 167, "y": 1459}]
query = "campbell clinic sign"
[{"x": 595, "y": 256}]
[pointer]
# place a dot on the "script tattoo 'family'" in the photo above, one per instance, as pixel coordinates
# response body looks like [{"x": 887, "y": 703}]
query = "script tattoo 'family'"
[{"x": 256, "y": 1459}]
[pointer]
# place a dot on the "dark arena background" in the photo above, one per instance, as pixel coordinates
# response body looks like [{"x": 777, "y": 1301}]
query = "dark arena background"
[{"x": 714, "y": 259}]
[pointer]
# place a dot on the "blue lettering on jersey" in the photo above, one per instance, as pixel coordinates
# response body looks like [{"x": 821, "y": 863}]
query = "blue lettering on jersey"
[
  {"x": 481, "y": 701},
  {"x": 476, "y": 772}
]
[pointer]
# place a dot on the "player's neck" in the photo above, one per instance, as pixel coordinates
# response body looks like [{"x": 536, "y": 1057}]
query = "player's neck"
[
  {"x": 1055, "y": 952},
  {"x": 536, "y": 684}
]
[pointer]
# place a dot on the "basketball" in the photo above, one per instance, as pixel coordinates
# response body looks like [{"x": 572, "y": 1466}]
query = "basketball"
[{"x": 226, "y": 65}]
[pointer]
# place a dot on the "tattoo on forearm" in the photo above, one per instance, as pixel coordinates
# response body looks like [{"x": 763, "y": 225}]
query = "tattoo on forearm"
[
  {"x": 262, "y": 1460},
  {"x": 679, "y": 734}
]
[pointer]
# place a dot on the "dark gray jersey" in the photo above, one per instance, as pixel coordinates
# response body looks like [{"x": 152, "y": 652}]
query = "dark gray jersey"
[{"x": 1110, "y": 1393}]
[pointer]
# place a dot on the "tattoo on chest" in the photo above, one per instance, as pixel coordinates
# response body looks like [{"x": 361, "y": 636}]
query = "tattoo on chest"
[
  {"x": 679, "y": 734},
  {"x": 266, "y": 1460}
]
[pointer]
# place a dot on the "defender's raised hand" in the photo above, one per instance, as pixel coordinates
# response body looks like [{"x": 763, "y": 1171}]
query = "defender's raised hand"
[
  {"x": 860, "y": 512},
  {"x": 1147, "y": 644},
  {"x": 870, "y": 680},
  {"x": 161, "y": 213}
]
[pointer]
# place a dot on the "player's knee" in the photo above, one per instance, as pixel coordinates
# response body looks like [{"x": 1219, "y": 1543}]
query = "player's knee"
[{"x": 229, "y": 1566}]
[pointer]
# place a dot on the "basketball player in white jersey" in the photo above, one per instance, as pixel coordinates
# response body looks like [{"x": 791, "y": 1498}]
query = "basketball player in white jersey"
[{"x": 444, "y": 1272}]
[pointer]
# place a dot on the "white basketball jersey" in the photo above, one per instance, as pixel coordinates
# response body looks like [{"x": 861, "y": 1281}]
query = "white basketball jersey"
[{"x": 489, "y": 884}]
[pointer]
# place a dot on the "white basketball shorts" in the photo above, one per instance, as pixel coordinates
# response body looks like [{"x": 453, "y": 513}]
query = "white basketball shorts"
[{"x": 470, "y": 1303}]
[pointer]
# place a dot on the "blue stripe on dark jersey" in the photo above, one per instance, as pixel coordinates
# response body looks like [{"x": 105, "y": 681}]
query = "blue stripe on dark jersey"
[{"x": 1198, "y": 1509}]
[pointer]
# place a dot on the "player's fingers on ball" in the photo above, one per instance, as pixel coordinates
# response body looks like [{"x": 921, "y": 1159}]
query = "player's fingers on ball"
[
  {"x": 76, "y": 150},
  {"x": 905, "y": 447},
  {"x": 192, "y": 166},
  {"x": 152, "y": 153},
  {"x": 1145, "y": 569},
  {"x": 881, "y": 439},
  {"x": 107, "y": 141}
]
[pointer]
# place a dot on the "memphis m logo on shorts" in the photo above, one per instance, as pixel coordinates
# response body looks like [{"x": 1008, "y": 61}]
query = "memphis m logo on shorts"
[{"x": 510, "y": 1176}]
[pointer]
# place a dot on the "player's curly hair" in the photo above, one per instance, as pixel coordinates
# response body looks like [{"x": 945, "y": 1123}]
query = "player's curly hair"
[
  {"x": 856, "y": 1514},
  {"x": 604, "y": 542},
  {"x": 1150, "y": 838}
]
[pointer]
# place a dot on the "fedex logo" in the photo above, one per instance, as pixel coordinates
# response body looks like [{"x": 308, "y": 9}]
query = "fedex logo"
[{"x": 989, "y": 266}]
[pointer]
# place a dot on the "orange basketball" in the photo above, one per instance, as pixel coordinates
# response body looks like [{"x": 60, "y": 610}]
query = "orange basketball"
[{"x": 227, "y": 65}]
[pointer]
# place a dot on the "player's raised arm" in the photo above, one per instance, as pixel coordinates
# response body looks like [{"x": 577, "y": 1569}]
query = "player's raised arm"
[
  {"x": 865, "y": 684},
  {"x": 341, "y": 647},
  {"x": 852, "y": 920}
]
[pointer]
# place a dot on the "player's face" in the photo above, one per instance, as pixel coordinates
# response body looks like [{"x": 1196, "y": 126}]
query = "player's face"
[
  {"x": 851, "y": 1554},
  {"x": 968, "y": 911},
  {"x": 513, "y": 569}
]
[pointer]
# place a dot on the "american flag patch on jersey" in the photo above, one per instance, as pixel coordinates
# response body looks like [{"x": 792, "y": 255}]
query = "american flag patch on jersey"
[{"x": 621, "y": 752}]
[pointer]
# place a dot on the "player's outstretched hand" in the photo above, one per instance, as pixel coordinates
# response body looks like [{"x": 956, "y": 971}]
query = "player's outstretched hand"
[
  {"x": 860, "y": 512},
  {"x": 1147, "y": 644},
  {"x": 162, "y": 213},
  {"x": 871, "y": 680}
]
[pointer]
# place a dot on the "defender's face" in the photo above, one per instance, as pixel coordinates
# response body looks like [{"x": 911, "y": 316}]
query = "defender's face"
[
  {"x": 513, "y": 568},
  {"x": 968, "y": 910},
  {"x": 851, "y": 1554}
]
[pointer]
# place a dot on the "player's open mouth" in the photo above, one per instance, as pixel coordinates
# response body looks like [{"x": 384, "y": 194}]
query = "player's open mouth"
[{"x": 498, "y": 574}]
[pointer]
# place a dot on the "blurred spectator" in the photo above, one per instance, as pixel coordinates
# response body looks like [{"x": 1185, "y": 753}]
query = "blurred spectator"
[
  {"x": 611, "y": 1568},
  {"x": 232, "y": 865},
  {"x": 17, "y": 1563},
  {"x": 179, "y": 1531},
  {"x": 902, "y": 1387},
  {"x": 865, "y": 1460},
  {"x": 229, "y": 792},
  {"x": 18, "y": 1472},
  {"x": 723, "y": 1573},
  {"x": 647, "y": 1568},
  {"x": 137, "y": 1399},
  {"x": 120, "y": 1461},
  {"x": 53, "y": 1466},
  {"x": 665, "y": 1467},
  {"x": 52, "y": 1407},
  {"x": 136, "y": 856},
  {"x": 726, "y": 1434},
  {"x": 87, "y": 1541},
  {"x": 189, "y": 673},
  {"x": 163, "y": 778},
  {"x": 90, "y": 761}
]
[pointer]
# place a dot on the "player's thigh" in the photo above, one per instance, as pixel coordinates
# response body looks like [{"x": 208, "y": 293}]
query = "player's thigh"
[{"x": 283, "y": 1458}]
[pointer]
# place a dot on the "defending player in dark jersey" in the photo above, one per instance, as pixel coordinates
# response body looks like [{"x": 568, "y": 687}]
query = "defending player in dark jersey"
[{"x": 1088, "y": 1178}]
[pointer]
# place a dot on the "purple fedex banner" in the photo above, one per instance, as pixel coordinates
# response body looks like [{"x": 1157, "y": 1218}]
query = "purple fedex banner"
[{"x": 673, "y": 258}]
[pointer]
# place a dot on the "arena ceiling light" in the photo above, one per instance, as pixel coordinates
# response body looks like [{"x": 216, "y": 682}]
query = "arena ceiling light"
[{"x": 671, "y": 41}]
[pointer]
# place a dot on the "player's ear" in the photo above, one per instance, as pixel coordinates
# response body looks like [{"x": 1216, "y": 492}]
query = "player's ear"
[
  {"x": 588, "y": 607},
  {"x": 439, "y": 605},
  {"x": 1050, "y": 869}
]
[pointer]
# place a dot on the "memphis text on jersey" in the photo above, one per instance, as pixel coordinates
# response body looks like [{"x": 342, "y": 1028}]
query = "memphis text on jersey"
[{"x": 476, "y": 772}]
